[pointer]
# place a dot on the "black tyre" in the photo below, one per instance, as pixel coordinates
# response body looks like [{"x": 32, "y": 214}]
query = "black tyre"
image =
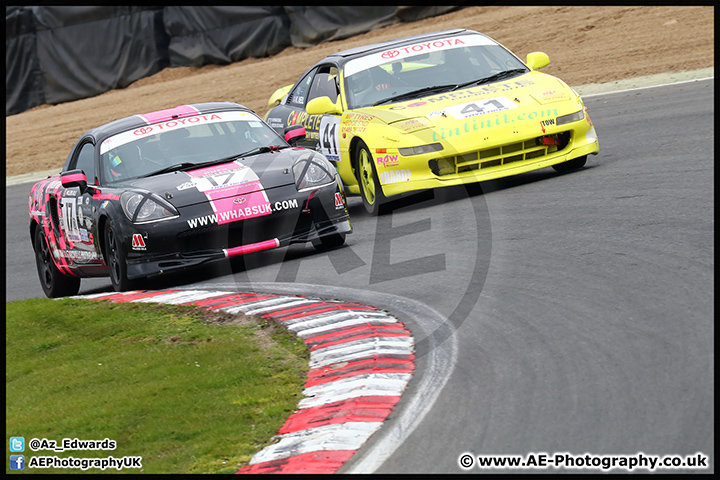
[
  {"x": 366, "y": 173},
  {"x": 53, "y": 282},
  {"x": 329, "y": 241},
  {"x": 570, "y": 165},
  {"x": 116, "y": 260}
]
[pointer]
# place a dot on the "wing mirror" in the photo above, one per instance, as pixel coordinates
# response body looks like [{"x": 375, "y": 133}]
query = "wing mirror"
[
  {"x": 537, "y": 60},
  {"x": 321, "y": 106},
  {"x": 74, "y": 178},
  {"x": 294, "y": 133}
]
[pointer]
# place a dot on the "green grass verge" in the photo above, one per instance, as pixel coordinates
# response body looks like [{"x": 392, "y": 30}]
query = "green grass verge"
[{"x": 188, "y": 390}]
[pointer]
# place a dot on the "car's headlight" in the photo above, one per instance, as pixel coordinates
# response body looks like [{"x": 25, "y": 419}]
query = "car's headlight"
[
  {"x": 573, "y": 117},
  {"x": 146, "y": 207},
  {"x": 312, "y": 170},
  {"x": 433, "y": 147}
]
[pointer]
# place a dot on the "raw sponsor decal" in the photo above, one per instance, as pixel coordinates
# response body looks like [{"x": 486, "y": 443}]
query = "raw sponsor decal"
[
  {"x": 395, "y": 176},
  {"x": 388, "y": 160}
]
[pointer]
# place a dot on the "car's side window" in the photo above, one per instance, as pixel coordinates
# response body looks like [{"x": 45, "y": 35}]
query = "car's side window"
[
  {"x": 324, "y": 84},
  {"x": 298, "y": 95},
  {"x": 85, "y": 161}
]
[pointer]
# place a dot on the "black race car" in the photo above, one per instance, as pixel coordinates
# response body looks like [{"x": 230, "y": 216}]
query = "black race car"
[{"x": 158, "y": 192}]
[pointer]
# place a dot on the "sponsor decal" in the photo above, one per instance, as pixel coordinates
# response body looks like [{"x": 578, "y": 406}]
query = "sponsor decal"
[
  {"x": 388, "y": 161},
  {"x": 395, "y": 176},
  {"x": 227, "y": 216},
  {"x": 424, "y": 47},
  {"x": 549, "y": 96},
  {"x": 339, "y": 204},
  {"x": 412, "y": 125},
  {"x": 175, "y": 124},
  {"x": 138, "y": 243},
  {"x": 239, "y": 200},
  {"x": 468, "y": 94},
  {"x": 104, "y": 196},
  {"x": 275, "y": 122},
  {"x": 104, "y": 204},
  {"x": 180, "y": 122},
  {"x": 480, "y": 122},
  {"x": 546, "y": 123},
  {"x": 310, "y": 122},
  {"x": 355, "y": 123},
  {"x": 380, "y": 58}
]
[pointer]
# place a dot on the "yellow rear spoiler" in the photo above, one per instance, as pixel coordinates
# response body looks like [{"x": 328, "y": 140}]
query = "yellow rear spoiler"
[{"x": 279, "y": 94}]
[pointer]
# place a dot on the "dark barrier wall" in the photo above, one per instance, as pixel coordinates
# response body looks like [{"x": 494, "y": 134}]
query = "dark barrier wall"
[{"x": 56, "y": 54}]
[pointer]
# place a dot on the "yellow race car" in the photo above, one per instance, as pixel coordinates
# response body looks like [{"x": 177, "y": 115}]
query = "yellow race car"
[{"x": 434, "y": 110}]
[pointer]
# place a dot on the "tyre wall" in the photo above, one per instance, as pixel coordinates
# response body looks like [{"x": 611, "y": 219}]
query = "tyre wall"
[{"x": 56, "y": 54}]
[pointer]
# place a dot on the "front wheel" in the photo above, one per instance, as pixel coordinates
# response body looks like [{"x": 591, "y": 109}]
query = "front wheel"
[
  {"x": 53, "y": 282},
  {"x": 116, "y": 260},
  {"x": 366, "y": 173},
  {"x": 573, "y": 164}
]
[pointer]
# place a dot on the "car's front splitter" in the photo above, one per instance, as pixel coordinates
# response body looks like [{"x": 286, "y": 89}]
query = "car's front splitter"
[{"x": 153, "y": 266}]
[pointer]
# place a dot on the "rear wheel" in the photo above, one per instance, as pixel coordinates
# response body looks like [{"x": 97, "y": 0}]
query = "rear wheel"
[
  {"x": 573, "y": 164},
  {"x": 116, "y": 260},
  {"x": 53, "y": 282},
  {"x": 368, "y": 180}
]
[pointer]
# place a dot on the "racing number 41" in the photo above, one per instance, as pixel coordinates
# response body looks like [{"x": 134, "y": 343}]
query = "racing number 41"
[
  {"x": 471, "y": 108},
  {"x": 329, "y": 131}
]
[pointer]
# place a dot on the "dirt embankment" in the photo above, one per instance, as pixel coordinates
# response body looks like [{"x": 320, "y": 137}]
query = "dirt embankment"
[{"x": 585, "y": 45}]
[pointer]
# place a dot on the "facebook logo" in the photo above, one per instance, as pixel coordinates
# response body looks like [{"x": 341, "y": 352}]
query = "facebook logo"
[
  {"x": 17, "y": 462},
  {"x": 17, "y": 444}
]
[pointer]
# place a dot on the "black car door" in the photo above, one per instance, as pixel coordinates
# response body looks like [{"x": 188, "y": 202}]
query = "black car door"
[{"x": 319, "y": 81}]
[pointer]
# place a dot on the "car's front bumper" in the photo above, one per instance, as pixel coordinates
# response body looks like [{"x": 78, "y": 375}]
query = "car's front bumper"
[
  {"x": 196, "y": 238},
  {"x": 472, "y": 156}
]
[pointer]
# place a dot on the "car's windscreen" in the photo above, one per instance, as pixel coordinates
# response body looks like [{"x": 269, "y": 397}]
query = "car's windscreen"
[
  {"x": 184, "y": 144},
  {"x": 427, "y": 68}
]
